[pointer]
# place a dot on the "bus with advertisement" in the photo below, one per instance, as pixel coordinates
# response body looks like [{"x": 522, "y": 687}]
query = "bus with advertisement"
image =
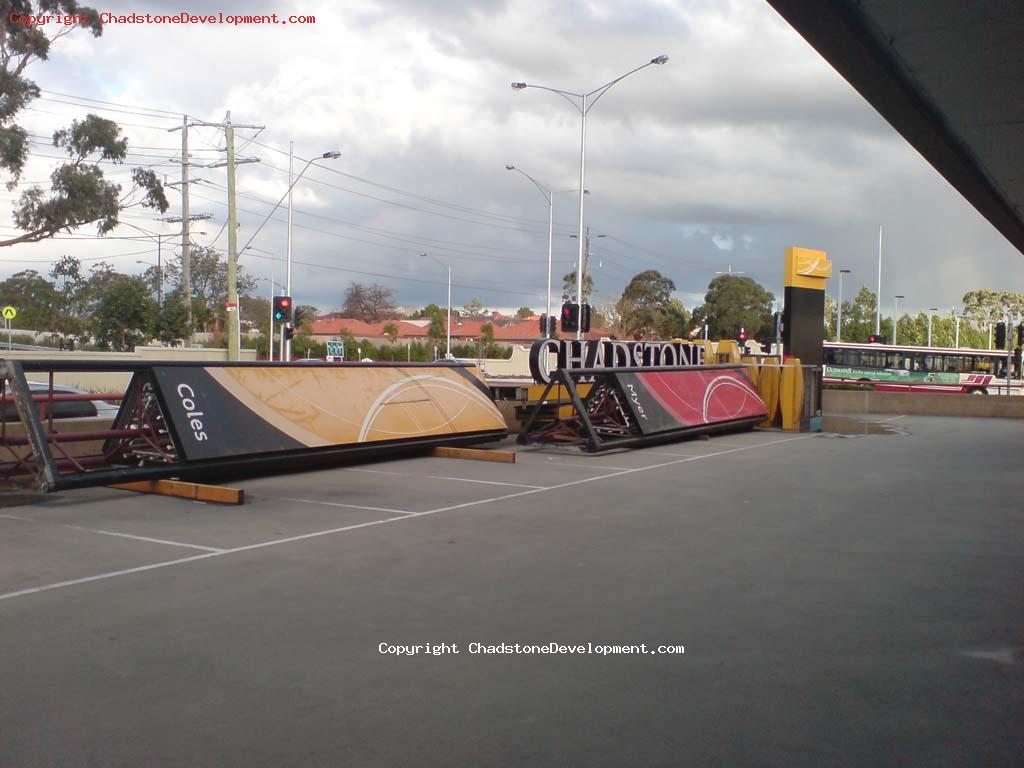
[{"x": 896, "y": 368}]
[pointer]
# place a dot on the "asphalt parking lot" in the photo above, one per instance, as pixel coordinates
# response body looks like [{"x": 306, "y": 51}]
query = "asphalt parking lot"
[{"x": 852, "y": 600}]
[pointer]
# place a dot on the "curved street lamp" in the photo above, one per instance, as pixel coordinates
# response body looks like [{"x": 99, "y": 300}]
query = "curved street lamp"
[
  {"x": 286, "y": 347},
  {"x": 549, "y": 195},
  {"x": 584, "y": 102}
]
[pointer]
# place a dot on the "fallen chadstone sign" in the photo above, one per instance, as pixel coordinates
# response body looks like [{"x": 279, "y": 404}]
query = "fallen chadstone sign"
[{"x": 576, "y": 354}]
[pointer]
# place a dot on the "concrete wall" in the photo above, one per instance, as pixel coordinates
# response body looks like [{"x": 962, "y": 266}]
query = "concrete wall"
[{"x": 922, "y": 404}]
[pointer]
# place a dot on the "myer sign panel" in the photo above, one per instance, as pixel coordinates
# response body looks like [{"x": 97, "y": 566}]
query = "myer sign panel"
[{"x": 574, "y": 354}]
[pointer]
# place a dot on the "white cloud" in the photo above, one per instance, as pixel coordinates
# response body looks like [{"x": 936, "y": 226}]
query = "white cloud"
[{"x": 744, "y": 143}]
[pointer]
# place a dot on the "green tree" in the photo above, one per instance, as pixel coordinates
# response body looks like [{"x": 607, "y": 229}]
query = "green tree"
[
  {"x": 859, "y": 316},
  {"x": 208, "y": 270},
  {"x": 647, "y": 308},
  {"x": 986, "y": 306},
  {"x": 170, "y": 323},
  {"x": 438, "y": 330},
  {"x": 33, "y": 296},
  {"x": 475, "y": 309},
  {"x": 124, "y": 314},
  {"x": 255, "y": 312},
  {"x": 486, "y": 340},
  {"x": 69, "y": 305},
  {"x": 569, "y": 286},
  {"x": 391, "y": 331},
  {"x": 830, "y": 318},
  {"x": 733, "y": 302},
  {"x": 305, "y": 316},
  {"x": 79, "y": 194},
  {"x": 431, "y": 310},
  {"x": 524, "y": 312}
]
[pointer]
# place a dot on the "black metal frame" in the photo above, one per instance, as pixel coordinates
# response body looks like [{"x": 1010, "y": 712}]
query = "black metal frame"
[{"x": 586, "y": 427}]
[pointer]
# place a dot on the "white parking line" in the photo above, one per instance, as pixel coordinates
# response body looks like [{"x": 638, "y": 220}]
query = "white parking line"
[
  {"x": 337, "y": 504},
  {"x": 439, "y": 477},
  {"x": 666, "y": 453},
  {"x": 586, "y": 466},
  {"x": 118, "y": 534},
  {"x": 384, "y": 521}
]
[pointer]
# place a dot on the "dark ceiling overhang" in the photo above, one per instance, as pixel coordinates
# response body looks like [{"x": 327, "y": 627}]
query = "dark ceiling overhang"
[{"x": 948, "y": 75}]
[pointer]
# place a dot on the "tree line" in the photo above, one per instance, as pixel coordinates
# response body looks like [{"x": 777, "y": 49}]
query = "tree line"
[
  {"x": 980, "y": 310},
  {"x": 105, "y": 309}
]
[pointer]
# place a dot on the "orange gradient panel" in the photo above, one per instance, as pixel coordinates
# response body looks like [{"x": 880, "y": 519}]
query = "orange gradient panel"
[{"x": 339, "y": 405}]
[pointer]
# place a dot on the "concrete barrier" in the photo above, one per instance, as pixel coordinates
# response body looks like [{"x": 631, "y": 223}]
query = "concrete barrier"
[{"x": 922, "y": 404}]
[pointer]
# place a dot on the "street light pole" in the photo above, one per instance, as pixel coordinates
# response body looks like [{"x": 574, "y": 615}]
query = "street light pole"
[
  {"x": 286, "y": 347},
  {"x": 332, "y": 155},
  {"x": 896, "y": 317},
  {"x": 878, "y": 299},
  {"x": 549, "y": 195},
  {"x": 579, "y": 259},
  {"x": 839, "y": 308},
  {"x": 583, "y": 108},
  {"x": 448, "y": 342}
]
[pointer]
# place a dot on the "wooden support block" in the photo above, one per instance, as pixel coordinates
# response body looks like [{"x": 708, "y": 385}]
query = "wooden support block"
[
  {"x": 185, "y": 490},
  {"x": 477, "y": 454}
]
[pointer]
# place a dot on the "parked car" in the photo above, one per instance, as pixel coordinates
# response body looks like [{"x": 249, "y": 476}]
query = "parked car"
[{"x": 99, "y": 410}]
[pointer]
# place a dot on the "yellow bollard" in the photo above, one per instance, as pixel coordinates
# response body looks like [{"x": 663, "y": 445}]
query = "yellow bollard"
[
  {"x": 768, "y": 387},
  {"x": 791, "y": 397},
  {"x": 753, "y": 370}
]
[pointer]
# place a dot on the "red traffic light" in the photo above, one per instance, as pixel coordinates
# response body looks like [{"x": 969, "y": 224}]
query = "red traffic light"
[
  {"x": 742, "y": 335},
  {"x": 282, "y": 308}
]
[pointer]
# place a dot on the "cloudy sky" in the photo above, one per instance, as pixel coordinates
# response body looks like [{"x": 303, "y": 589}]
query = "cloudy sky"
[{"x": 744, "y": 143}]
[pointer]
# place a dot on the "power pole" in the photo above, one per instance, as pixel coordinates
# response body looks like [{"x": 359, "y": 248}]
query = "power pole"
[
  {"x": 186, "y": 259},
  {"x": 234, "y": 331},
  {"x": 234, "y": 324}
]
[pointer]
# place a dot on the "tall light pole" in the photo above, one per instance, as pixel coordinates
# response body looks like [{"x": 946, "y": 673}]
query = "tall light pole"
[
  {"x": 448, "y": 342},
  {"x": 580, "y": 102},
  {"x": 549, "y": 195},
  {"x": 878, "y": 297},
  {"x": 286, "y": 349},
  {"x": 586, "y": 249},
  {"x": 896, "y": 316},
  {"x": 839, "y": 308},
  {"x": 930, "y": 310},
  {"x": 956, "y": 323}
]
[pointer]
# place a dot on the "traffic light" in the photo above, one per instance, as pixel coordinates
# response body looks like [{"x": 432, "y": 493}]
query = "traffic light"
[
  {"x": 742, "y": 336},
  {"x": 543, "y": 325},
  {"x": 282, "y": 309},
  {"x": 1020, "y": 335},
  {"x": 877, "y": 338},
  {"x": 1000, "y": 335},
  {"x": 552, "y": 326},
  {"x": 585, "y": 317},
  {"x": 289, "y": 333},
  {"x": 570, "y": 317}
]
